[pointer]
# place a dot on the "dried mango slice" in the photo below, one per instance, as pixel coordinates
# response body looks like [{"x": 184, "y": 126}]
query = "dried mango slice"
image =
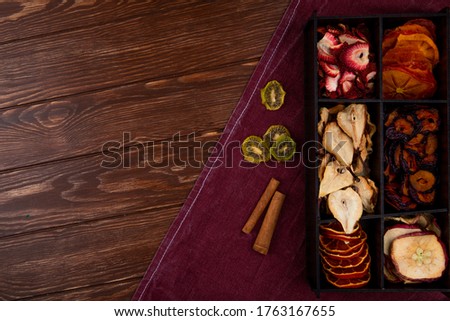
[
  {"x": 272, "y": 95},
  {"x": 254, "y": 150}
]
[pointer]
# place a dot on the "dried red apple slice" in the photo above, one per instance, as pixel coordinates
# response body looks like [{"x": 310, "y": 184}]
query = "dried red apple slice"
[
  {"x": 360, "y": 252},
  {"x": 419, "y": 256},
  {"x": 394, "y": 232}
]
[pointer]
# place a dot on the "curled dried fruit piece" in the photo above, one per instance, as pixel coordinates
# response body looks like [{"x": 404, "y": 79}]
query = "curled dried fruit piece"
[
  {"x": 353, "y": 121},
  {"x": 346, "y": 207},
  {"x": 254, "y": 150},
  {"x": 272, "y": 95},
  {"x": 338, "y": 143},
  {"x": 419, "y": 256},
  {"x": 409, "y": 56},
  {"x": 348, "y": 283},
  {"x": 345, "y": 62},
  {"x": 335, "y": 177}
]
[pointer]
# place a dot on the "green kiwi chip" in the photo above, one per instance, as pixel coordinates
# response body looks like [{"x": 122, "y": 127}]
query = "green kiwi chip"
[
  {"x": 272, "y": 95},
  {"x": 283, "y": 149},
  {"x": 273, "y": 133},
  {"x": 255, "y": 150}
]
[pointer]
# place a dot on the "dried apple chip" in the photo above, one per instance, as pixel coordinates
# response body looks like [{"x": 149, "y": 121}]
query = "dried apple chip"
[{"x": 419, "y": 256}]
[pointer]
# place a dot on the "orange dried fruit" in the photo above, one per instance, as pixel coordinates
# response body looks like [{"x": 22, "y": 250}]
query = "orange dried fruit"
[
  {"x": 349, "y": 272},
  {"x": 348, "y": 283},
  {"x": 403, "y": 83},
  {"x": 358, "y": 252},
  {"x": 337, "y": 246},
  {"x": 420, "y": 42},
  {"x": 334, "y": 230},
  {"x": 345, "y": 263}
]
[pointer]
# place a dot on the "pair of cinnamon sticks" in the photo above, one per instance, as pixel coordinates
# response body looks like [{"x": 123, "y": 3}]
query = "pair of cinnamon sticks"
[{"x": 276, "y": 199}]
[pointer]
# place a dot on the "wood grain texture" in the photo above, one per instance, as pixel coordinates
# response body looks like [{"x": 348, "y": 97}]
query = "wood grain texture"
[
  {"x": 40, "y": 17},
  {"x": 75, "y": 75},
  {"x": 121, "y": 290},
  {"x": 152, "y": 111},
  {"x": 93, "y": 187},
  {"x": 138, "y": 49},
  {"x": 79, "y": 256}
]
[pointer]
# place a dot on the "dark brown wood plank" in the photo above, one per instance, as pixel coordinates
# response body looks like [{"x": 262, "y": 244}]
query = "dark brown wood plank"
[
  {"x": 121, "y": 290},
  {"x": 143, "y": 48},
  {"x": 24, "y": 19},
  {"x": 79, "y": 256},
  {"x": 94, "y": 187},
  {"x": 150, "y": 111}
]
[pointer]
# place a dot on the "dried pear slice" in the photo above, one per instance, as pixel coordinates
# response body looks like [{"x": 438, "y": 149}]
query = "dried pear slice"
[
  {"x": 419, "y": 256},
  {"x": 368, "y": 192},
  {"x": 272, "y": 95},
  {"x": 254, "y": 150},
  {"x": 323, "y": 165},
  {"x": 346, "y": 207},
  {"x": 283, "y": 149},
  {"x": 273, "y": 133},
  {"x": 338, "y": 143},
  {"x": 324, "y": 117},
  {"x": 335, "y": 177},
  {"x": 353, "y": 121}
]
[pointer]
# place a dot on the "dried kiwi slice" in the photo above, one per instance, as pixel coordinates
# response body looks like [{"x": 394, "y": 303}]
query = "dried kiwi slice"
[
  {"x": 283, "y": 149},
  {"x": 273, "y": 133},
  {"x": 255, "y": 150},
  {"x": 272, "y": 95}
]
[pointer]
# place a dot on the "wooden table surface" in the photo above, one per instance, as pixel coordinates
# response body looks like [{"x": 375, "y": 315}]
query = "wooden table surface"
[{"x": 103, "y": 107}]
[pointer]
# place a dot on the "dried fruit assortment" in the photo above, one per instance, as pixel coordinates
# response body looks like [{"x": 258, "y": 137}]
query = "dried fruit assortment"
[
  {"x": 414, "y": 251},
  {"x": 346, "y": 135},
  {"x": 347, "y": 191},
  {"x": 276, "y": 143},
  {"x": 411, "y": 147},
  {"x": 346, "y": 67},
  {"x": 345, "y": 256},
  {"x": 409, "y": 56}
]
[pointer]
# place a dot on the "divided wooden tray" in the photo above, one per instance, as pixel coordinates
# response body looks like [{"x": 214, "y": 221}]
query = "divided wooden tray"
[{"x": 375, "y": 224}]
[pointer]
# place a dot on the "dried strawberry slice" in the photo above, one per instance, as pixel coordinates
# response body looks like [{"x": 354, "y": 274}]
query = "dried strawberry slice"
[
  {"x": 356, "y": 56},
  {"x": 348, "y": 283},
  {"x": 329, "y": 69},
  {"x": 351, "y": 272}
]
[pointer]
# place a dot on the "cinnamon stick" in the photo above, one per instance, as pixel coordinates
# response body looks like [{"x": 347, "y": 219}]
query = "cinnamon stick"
[
  {"x": 265, "y": 234},
  {"x": 261, "y": 205}
]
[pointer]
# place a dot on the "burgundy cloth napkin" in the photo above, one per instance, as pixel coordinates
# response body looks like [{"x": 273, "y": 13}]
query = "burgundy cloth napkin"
[{"x": 204, "y": 255}]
